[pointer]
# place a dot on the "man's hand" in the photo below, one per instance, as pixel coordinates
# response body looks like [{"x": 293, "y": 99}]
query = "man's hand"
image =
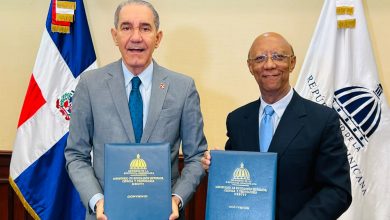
[
  {"x": 206, "y": 160},
  {"x": 175, "y": 208},
  {"x": 100, "y": 210}
]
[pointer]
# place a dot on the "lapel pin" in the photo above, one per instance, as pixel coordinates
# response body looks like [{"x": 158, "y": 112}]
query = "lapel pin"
[{"x": 162, "y": 86}]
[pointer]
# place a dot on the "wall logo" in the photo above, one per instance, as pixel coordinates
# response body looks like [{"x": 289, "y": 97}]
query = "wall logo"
[{"x": 360, "y": 113}]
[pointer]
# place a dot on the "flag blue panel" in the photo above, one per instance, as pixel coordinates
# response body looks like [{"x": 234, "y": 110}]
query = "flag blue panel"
[
  {"x": 76, "y": 47},
  {"x": 46, "y": 186}
]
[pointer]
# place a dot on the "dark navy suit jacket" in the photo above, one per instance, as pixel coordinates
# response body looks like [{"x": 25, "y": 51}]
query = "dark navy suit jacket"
[{"x": 313, "y": 179}]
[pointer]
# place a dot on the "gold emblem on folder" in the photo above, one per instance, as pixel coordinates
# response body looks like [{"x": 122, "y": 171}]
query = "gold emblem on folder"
[
  {"x": 241, "y": 184},
  {"x": 241, "y": 176},
  {"x": 138, "y": 166},
  {"x": 138, "y": 173}
]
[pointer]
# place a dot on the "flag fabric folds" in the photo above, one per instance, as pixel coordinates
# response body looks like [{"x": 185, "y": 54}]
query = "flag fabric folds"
[
  {"x": 340, "y": 71},
  {"x": 37, "y": 170}
]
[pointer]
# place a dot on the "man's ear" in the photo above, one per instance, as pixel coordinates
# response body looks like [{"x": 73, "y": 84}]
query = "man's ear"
[
  {"x": 159, "y": 37},
  {"x": 293, "y": 61},
  {"x": 249, "y": 67},
  {"x": 114, "y": 36}
]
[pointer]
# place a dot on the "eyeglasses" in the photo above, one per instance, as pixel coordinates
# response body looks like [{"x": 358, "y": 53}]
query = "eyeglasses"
[{"x": 276, "y": 57}]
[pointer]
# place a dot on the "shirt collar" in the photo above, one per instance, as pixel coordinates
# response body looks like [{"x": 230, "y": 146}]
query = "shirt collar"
[
  {"x": 145, "y": 76},
  {"x": 278, "y": 106}
]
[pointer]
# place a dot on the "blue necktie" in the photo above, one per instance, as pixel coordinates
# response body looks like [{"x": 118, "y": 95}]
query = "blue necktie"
[
  {"x": 136, "y": 108},
  {"x": 266, "y": 128}
]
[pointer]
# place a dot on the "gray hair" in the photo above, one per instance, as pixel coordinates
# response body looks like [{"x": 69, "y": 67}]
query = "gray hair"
[{"x": 137, "y": 2}]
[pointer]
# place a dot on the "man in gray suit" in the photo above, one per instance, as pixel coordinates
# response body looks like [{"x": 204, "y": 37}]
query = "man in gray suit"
[{"x": 170, "y": 111}]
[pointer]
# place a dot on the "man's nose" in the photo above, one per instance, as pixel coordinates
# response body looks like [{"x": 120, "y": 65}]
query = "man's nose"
[
  {"x": 269, "y": 63},
  {"x": 136, "y": 35}
]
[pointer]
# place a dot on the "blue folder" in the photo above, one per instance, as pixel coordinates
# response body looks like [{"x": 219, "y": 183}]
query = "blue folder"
[
  {"x": 137, "y": 181},
  {"x": 241, "y": 185}
]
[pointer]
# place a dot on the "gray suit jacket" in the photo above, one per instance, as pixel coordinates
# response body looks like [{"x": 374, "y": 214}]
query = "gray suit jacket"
[{"x": 101, "y": 115}]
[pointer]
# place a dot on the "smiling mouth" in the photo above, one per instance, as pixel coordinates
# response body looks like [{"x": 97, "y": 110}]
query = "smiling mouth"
[
  {"x": 136, "y": 50},
  {"x": 271, "y": 75}
]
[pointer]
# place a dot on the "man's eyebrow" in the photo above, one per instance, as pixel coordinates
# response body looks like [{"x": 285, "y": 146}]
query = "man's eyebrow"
[
  {"x": 141, "y": 24},
  {"x": 145, "y": 24},
  {"x": 124, "y": 23}
]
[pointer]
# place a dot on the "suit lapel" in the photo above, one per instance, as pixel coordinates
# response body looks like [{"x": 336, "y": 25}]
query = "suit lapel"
[
  {"x": 160, "y": 86},
  {"x": 252, "y": 120},
  {"x": 289, "y": 126},
  {"x": 118, "y": 93}
]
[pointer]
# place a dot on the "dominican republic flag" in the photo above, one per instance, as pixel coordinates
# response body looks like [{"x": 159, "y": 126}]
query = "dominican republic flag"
[
  {"x": 340, "y": 71},
  {"x": 37, "y": 170}
]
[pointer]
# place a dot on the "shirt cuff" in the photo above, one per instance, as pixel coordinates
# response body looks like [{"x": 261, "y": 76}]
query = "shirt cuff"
[
  {"x": 181, "y": 201},
  {"x": 94, "y": 200}
]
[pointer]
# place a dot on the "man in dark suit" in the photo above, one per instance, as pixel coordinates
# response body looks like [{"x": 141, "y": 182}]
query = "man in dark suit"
[
  {"x": 313, "y": 179},
  {"x": 168, "y": 106}
]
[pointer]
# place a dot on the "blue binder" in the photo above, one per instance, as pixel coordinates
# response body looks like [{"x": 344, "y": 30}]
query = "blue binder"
[
  {"x": 241, "y": 185},
  {"x": 137, "y": 181}
]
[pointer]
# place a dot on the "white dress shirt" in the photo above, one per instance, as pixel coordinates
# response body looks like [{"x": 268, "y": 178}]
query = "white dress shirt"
[{"x": 279, "y": 108}]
